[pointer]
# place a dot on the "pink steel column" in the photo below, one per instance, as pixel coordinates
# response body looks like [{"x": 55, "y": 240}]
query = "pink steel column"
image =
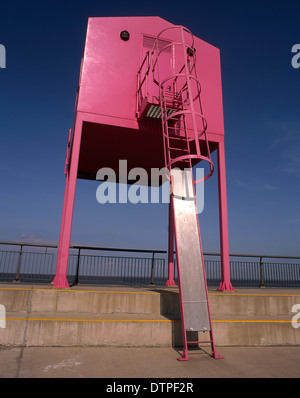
[
  {"x": 56, "y": 281},
  {"x": 60, "y": 280},
  {"x": 170, "y": 281},
  {"x": 223, "y": 216}
]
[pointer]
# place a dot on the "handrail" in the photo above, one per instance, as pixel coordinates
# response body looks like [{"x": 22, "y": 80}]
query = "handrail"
[
  {"x": 144, "y": 60},
  {"x": 82, "y": 247},
  {"x": 37, "y": 266},
  {"x": 145, "y": 79},
  {"x": 117, "y": 249},
  {"x": 147, "y": 71},
  {"x": 28, "y": 244},
  {"x": 145, "y": 250}
]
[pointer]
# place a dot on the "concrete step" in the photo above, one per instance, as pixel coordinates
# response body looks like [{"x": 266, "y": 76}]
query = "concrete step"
[
  {"x": 143, "y": 300},
  {"x": 105, "y": 300},
  {"x": 128, "y": 330},
  {"x": 131, "y": 316},
  {"x": 254, "y": 302},
  {"x": 58, "y": 329}
]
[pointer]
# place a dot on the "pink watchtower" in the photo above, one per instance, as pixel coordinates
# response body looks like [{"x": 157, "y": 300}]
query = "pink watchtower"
[{"x": 150, "y": 92}]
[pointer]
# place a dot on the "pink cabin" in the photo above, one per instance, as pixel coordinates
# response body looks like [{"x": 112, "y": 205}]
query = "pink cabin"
[{"x": 149, "y": 92}]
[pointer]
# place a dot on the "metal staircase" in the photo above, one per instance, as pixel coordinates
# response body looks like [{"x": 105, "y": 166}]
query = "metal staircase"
[{"x": 178, "y": 105}]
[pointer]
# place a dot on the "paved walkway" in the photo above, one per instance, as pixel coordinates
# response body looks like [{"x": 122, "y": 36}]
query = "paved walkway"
[
  {"x": 102, "y": 362},
  {"x": 150, "y": 363}
]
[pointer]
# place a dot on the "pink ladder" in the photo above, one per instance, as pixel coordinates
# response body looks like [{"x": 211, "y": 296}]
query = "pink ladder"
[{"x": 185, "y": 144}]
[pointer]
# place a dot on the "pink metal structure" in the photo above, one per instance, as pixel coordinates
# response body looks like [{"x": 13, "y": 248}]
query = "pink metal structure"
[{"x": 149, "y": 92}]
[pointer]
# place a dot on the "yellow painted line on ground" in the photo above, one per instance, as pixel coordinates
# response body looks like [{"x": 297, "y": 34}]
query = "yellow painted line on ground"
[
  {"x": 75, "y": 291},
  {"x": 92, "y": 320},
  {"x": 254, "y": 321},
  {"x": 228, "y": 294},
  {"x": 254, "y": 294},
  {"x": 148, "y": 320}
]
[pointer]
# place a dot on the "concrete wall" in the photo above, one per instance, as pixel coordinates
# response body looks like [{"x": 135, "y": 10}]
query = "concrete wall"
[{"x": 139, "y": 317}]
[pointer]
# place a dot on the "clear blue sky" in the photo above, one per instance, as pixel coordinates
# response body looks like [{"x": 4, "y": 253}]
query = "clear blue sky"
[{"x": 261, "y": 92}]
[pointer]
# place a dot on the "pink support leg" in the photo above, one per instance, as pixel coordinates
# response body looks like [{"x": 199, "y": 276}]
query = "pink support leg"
[
  {"x": 57, "y": 281},
  {"x": 60, "y": 280},
  {"x": 225, "y": 284},
  {"x": 170, "y": 281}
]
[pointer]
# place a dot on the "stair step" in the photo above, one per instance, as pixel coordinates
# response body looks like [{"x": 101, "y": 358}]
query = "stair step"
[
  {"x": 141, "y": 316},
  {"x": 103, "y": 300},
  {"x": 57, "y": 329}
]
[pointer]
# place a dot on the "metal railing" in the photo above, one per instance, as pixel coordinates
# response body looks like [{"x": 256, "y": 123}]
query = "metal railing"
[
  {"x": 35, "y": 263},
  {"x": 256, "y": 270}
]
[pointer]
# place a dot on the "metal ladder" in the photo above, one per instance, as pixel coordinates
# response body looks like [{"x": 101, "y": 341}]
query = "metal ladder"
[{"x": 183, "y": 126}]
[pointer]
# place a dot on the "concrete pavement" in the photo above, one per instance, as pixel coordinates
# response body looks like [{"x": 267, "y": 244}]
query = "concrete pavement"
[{"x": 114, "y": 362}]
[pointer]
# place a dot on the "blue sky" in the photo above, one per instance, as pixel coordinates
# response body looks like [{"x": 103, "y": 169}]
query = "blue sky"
[{"x": 261, "y": 93}]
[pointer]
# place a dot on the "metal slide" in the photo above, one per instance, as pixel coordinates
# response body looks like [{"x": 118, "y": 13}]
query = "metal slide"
[
  {"x": 194, "y": 305},
  {"x": 189, "y": 253}
]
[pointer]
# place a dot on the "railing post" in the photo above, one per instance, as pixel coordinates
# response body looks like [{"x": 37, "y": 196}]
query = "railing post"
[
  {"x": 262, "y": 282},
  {"x": 76, "y": 282},
  {"x": 19, "y": 265},
  {"x": 152, "y": 270}
]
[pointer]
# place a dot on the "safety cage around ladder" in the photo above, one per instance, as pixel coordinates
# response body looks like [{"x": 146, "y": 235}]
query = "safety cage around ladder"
[{"x": 168, "y": 88}]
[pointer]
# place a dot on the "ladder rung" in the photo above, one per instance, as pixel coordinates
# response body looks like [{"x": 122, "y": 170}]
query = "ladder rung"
[
  {"x": 179, "y": 149},
  {"x": 182, "y": 160},
  {"x": 198, "y": 342},
  {"x": 177, "y": 138}
]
